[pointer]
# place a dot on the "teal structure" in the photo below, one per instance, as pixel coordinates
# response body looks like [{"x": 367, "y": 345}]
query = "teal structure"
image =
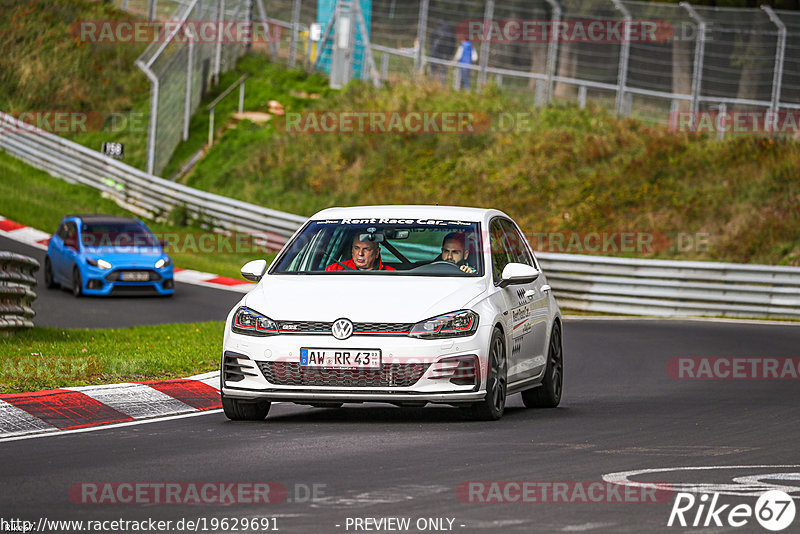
[{"x": 325, "y": 10}]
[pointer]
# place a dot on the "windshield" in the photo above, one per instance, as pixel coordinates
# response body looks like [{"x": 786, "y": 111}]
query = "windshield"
[
  {"x": 119, "y": 235},
  {"x": 381, "y": 245}
]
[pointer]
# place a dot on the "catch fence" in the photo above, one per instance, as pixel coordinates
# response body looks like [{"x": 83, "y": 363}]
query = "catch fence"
[{"x": 697, "y": 58}]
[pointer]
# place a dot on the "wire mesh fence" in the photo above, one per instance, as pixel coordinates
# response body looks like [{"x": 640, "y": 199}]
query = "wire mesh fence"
[
  {"x": 654, "y": 60},
  {"x": 190, "y": 48},
  {"x": 648, "y": 59}
]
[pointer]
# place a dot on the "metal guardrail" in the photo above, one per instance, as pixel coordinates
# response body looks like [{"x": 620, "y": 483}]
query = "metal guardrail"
[
  {"x": 16, "y": 291},
  {"x": 672, "y": 288},
  {"x": 138, "y": 191},
  {"x": 588, "y": 283}
]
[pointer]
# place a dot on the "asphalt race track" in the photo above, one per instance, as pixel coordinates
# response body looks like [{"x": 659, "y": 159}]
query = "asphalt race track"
[
  {"x": 621, "y": 412},
  {"x": 58, "y": 308}
]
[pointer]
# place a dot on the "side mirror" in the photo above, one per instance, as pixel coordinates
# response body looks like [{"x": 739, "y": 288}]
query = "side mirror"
[
  {"x": 254, "y": 270},
  {"x": 163, "y": 243},
  {"x": 518, "y": 273}
]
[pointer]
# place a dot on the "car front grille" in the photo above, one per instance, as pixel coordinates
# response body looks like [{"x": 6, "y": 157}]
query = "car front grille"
[
  {"x": 389, "y": 375},
  {"x": 362, "y": 329}
]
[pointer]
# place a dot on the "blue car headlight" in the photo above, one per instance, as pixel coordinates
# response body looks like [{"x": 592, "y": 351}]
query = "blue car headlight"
[
  {"x": 455, "y": 324},
  {"x": 99, "y": 263},
  {"x": 163, "y": 262},
  {"x": 252, "y": 323}
]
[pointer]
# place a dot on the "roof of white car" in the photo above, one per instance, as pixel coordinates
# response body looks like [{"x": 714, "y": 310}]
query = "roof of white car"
[{"x": 415, "y": 212}]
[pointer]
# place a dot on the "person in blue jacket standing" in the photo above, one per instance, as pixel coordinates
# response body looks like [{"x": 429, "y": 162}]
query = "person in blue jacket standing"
[{"x": 466, "y": 55}]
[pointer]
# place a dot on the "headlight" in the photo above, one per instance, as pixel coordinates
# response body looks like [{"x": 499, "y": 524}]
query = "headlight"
[
  {"x": 102, "y": 264},
  {"x": 163, "y": 262},
  {"x": 456, "y": 324},
  {"x": 252, "y": 323}
]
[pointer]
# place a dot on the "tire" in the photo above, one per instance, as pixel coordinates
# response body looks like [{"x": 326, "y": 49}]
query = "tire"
[
  {"x": 77, "y": 283},
  {"x": 548, "y": 394},
  {"x": 491, "y": 408},
  {"x": 239, "y": 410},
  {"x": 49, "y": 279}
]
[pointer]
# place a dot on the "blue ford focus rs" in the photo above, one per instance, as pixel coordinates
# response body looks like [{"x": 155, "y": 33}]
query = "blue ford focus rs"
[{"x": 107, "y": 255}]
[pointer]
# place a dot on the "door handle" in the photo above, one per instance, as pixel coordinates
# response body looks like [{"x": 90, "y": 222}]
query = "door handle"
[{"x": 546, "y": 288}]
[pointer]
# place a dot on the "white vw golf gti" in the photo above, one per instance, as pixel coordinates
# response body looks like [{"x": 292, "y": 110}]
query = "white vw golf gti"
[{"x": 401, "y": 304}]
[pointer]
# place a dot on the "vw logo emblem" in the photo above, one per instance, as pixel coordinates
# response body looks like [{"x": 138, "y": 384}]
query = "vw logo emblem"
[{"x": 342, "y": 329}]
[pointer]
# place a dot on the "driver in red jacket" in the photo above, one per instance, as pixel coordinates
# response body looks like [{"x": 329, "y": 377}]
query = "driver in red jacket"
[{"x": 366, "y": 257}]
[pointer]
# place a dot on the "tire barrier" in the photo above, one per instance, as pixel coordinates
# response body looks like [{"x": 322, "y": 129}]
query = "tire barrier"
[{"x": 17, "y": 281}]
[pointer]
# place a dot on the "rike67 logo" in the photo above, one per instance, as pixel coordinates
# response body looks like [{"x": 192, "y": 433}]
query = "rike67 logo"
[{"x": 774, "y": 510}]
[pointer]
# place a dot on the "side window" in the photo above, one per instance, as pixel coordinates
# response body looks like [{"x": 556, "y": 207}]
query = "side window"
[
  {"x": 71, "y": 232},
  {"x": 516, "y": 241},
  {"x": 62, "y": 231},
  {"x": 501, "y": 253}
]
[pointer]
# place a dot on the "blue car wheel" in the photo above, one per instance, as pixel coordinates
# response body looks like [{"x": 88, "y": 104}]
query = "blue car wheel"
[
  {"x": 49, "y": 279},
  {"x": 77, "y": 283}
]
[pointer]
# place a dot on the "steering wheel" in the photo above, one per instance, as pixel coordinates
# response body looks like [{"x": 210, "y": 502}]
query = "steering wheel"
[
  {"x": 445, "y": 262},
  {"x": 440, "y": 266}
]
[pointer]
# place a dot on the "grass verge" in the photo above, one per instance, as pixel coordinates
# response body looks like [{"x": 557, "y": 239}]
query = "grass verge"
[
  {"x": 45, "y": 358},
  {"x": 46, "y": 67}
]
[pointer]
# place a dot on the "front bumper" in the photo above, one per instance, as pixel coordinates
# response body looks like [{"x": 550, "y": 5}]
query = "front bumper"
[
  {"x": 102, "y": 282},
  {"x": 421, "y": 370}
]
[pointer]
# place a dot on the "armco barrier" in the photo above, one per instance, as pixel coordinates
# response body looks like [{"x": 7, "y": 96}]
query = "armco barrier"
[
  {"x": 672, "y": 288},
  {"x": 588, "y": 283},
  {"x": 136, "y": 190},
  {"x": 16, "y": 290}
]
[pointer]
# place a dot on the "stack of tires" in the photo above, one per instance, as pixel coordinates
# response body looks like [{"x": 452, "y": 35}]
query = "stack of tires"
[{"x": 17, "y": 281}]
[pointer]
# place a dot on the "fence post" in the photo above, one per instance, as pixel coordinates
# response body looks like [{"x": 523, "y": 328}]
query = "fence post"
[
  {"x": 187, "y": 103},
  {"x": 295, "y": 33},
  {"x": 271, "y": 29},
  {"x": 777, "y": 74},
  {"x": 624, "y": 55},
  {"x": 151, "y": 10},
  {"x": 151, "y": 127},
  {"x": 674, "y": 109},
  {"x": 552, "y": 50},
  {"x": 699, "y": 55},
  {"x": 722, "y": 111},
  {"x": 540, "y": 94},
  {"x": 218, "y": 54},
  {"x": 385, "y": 66},
  {"x": 488, "y": 15},
  {"x": 422, "y": 29},
  {"x": 211, "y": 116}
]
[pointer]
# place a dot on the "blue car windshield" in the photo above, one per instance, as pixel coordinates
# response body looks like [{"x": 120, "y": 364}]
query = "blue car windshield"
[
  {"x": 117, "y": 235},
  {"x": 391, "y": 246}
]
